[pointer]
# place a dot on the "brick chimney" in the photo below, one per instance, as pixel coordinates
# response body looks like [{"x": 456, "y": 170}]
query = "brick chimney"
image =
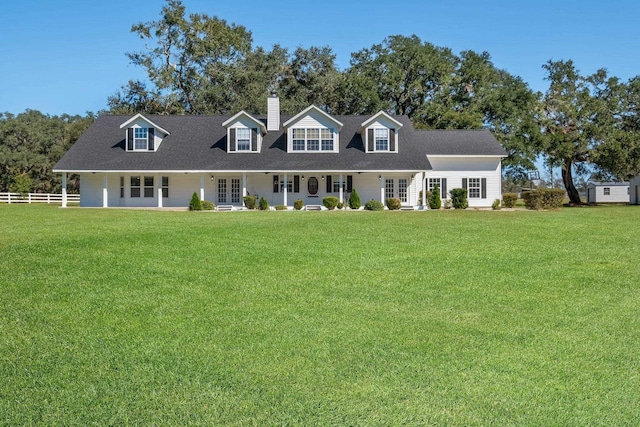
[{"x": 273, "y": 112}]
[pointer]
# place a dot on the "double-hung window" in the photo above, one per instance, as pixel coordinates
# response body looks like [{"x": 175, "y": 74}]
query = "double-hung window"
[
  {"x": 243, "y": 139},
  {"x": 607, "y": 191},
  {"x": 148, "y": 186},
  {"x": 327, "y": 139},
  {"x": 140, "y": 138},
  {"x": 474, "y": 188},
  {"x": 299, "y": 140},
  {"x": 135, "y": 186},
  {"x": 165, "y": 186},
  {"x": 382, "y": 139}
]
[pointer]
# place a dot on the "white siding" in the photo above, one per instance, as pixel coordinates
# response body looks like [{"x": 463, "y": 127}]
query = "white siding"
[
  {"x": 457, "y": 168},
  {"x": 617, "y": 194}
]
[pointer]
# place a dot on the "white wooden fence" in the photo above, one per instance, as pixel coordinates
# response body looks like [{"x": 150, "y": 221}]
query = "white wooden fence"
[{"x": 37, "y": 198}]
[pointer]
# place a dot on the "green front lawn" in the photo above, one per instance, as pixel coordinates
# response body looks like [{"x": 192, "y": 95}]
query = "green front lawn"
[{"x": 121, "y": 317}]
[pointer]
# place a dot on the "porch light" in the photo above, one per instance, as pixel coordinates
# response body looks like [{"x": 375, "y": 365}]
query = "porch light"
[
  {"x": 303, "y": 177},
  {"x": 379, "y": 177},
  {"x": 323, "y": 177},
  {"x": 212, "y": 177}
]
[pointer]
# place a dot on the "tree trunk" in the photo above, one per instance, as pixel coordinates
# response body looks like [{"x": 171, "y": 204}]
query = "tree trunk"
[{"x": 567, "y": 179}]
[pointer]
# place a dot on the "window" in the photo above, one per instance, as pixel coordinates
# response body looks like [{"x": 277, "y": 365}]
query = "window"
[
  {"x": 327, "y": 139},
  {"x": 135, "y": 186},
  {"x": 140, "y": 138},
  {"x": 243, "y": 139},
  {"x": 312, "y": 139},
  {"x": 222, "y": 190},
  {"x": 148, "y": 186},
  {"x": 165, "y": 186},
  {"x": 388, "y": 188},
  {"x": 382, "y": 139},
  {"x": 474, "y": 188},
  {"x": 121, "y": 186},
  {"x": 235, "y": 190},
  {"x": 402, "y": 190},
  {"x": 441, "y": 183},
  {"x": 607, "y": 191}
]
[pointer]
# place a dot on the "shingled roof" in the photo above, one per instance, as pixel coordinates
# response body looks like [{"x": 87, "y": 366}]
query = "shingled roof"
[{"x": 199, "y": 143}]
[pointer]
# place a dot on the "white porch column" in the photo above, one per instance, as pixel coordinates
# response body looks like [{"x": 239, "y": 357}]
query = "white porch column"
[
  {"x": 64, "y": 190},
  {"x": 381, "y": 178},
  {"x": 424, "y": 190},
  {"x": 202, "y": 187},
  {"x": 341, "y": 190},
  {"x": 244, "y": 185},
  {"x": 285, "y": 192},
  {"x": 105, "y": 191},
  {"x": 159, "y": 189}
]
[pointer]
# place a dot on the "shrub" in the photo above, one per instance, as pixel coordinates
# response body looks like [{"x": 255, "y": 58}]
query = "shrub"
[
  {"x": 263, "y": 205},
  {"x": 330, "y": 202},
  {"x": 195, "y": 204},
  {"x": 354, "y": 200},
  {"x": 393, "y": 204},
  {"x": 434, "y": 198},
  {"x": 298, "y": 204},
  {"x": 207, "y": 205},
  {"x": 459, "y": 198},
  {"x": 249, "y": 202},
  {"x": 340, "y": 205},
  {"x": 281, "y": 207},
  {"x": 374, "y": 205},
  {"x": 509, "y": 199},
  {"x": 552, "y": 198},
  {"x": 545, "y": 198},
  {"x": 496, "y": 205},
  {"x": 448, "y": 204}
]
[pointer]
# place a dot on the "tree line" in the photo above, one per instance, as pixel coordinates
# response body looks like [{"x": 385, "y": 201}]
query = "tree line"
[{"x": 200, "y": 64}]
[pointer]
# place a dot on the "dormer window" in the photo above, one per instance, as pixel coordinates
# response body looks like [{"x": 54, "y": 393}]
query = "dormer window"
[
  {"x": 243, "y": 139},
  {"x": 142, "y": 134},
  {"x": 382, "y": 139},
  {"x": 244, "y": 133},
  {"x": 140, "y": 140},
  {"x": 312, "y": 139}
]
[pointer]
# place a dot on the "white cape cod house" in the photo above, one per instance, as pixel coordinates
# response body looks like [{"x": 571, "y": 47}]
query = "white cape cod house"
[{"x": 160, "y": 161}]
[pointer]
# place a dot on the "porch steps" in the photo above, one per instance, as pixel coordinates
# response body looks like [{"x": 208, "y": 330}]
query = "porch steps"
[
  {"x": 406, "y": 208},
  {"x": 313, "y": 207},
  {"x": 224, "y": 208}
]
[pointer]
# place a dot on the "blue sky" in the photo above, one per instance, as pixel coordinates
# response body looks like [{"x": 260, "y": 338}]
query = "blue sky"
[{"x": 68, "y": 56}]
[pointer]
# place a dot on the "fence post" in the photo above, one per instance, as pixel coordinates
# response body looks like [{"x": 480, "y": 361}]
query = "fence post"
[
  {"x": 48, "y": 198},
  {"x": 29, "y": 198},
  {"x": 9, "y": 197}
]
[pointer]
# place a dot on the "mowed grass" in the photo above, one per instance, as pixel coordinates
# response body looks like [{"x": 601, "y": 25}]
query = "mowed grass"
[{"x": 470, "y": 318}]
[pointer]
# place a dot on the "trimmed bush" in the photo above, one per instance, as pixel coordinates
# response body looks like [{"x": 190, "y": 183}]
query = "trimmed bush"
[
  {"x": 298, "y": 204},
  {"x": 496, "y": 205},
  {"x": 330, "y": 202},
  {"x": 434, "y": 198},
  {"x": 195, "y": 204},
  {"x": 459, "y": 198},
  {"x": 509, "y": 199},
  {"x": 249, "y": 202},
  {"x": 354, "y": 200},
  {"x": 374, "y": 205},
  {"x": 393, "y": 204},
  {"x": 207, "y": 205},
  {"x": 340, "y": 205},
  {"x": 263, "y": 205},
  {"x": 281, "y": 207},
  {"x": 448, "y": 204},
  {"x": 552, "y": 198},
  {"x": 545, "y": 198}
]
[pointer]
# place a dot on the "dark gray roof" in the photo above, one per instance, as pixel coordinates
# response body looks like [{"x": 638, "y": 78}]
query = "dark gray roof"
[
  {"x": 198, "y": 143},
  {"x": 608, "y": 184}
]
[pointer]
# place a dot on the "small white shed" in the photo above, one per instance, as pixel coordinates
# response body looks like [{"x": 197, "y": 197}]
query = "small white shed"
[{"x": 608, "y": 192}]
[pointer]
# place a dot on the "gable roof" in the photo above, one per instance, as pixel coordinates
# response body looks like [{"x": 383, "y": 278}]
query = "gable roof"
[
  {"x": 373, "y": 118},
  {"x": 140, "y": 116},
  {"x": 199, "y": 144},
  {"x": 243, "y": 113},
  {"x": 307, "y": 111}
]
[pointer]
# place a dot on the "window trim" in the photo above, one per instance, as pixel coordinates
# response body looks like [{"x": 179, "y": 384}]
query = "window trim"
[
  {"x": 301, "y": 143},
  {"x": 372, "y": 139}
]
